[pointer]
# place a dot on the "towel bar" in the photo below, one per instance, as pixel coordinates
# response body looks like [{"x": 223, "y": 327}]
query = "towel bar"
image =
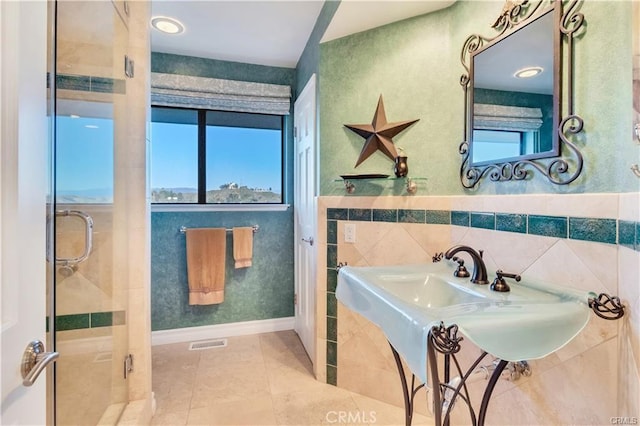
[{"x": 255, "y": 228}]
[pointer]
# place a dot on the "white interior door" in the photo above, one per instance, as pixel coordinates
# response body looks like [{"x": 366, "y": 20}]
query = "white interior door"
[
  {"x": 23, "y": 188},
  {"x": 305, "y": 215}
]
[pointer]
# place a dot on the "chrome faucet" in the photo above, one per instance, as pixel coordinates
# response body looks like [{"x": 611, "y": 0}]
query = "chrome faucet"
[{"x": 479, "y": 274}]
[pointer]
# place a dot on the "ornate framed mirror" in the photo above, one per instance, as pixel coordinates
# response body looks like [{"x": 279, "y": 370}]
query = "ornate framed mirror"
[{"x": 514, "y": 121}]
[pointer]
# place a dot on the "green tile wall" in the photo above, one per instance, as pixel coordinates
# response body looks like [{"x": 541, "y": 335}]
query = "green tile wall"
[
  {"x": 86, "y": 83},
  {"x": 460, "y": 218},
  {"x": 511, "y": 222},
  {"x": 411, "y": 216},
  {"x": 332, "y": 232},
  {"x": 627, "y": 234},
  {"x": 360, "y": 214},
  {"x": 263, "y": 291},
  {"x": 338, "y": 214},
  {"x": 332, "y": 336},
  {"x": 72, "y": 322},
  {"x": 548, "y": 226},
  {"x": 332, "y": 304},
  {"x": 597, "y": 230},
  {"x": 387, "y": 215},
  {"x": 600, "y": 230},
  {"x": 442, "y": 217},
  {"x": 89, "y": 320},
  {"x": 483, "y": 220}
]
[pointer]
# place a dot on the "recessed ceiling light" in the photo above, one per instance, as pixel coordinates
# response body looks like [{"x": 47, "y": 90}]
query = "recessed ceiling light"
[
  {"x": 74, "y": 116},
  {"x": 91, "y": 126},
  {"x": 167, "y": 25},
  {"x": 528, "y": 72}
]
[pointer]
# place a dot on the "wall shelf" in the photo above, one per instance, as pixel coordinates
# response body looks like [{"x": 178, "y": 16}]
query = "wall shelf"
[{"x": 350, "y": 187}]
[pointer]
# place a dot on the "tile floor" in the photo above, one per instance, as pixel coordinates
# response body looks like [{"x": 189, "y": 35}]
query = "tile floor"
[{"x": 263, "y": 379}]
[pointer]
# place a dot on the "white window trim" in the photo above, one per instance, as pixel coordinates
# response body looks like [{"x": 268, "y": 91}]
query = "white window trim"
[{"x": 162, "y": 207}]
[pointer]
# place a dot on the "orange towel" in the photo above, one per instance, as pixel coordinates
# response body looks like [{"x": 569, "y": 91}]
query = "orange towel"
[
  {"x": 243, "y": 246},
  {"x": 206, "y": 249}
]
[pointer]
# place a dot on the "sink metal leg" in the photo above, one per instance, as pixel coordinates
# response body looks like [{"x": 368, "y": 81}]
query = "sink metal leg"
[
  {"x": 445, "y": 341},
  {"x": 446, "y": 393},
  {"x": 409, "y": 395},
  {"x": 489, "y": 390}
]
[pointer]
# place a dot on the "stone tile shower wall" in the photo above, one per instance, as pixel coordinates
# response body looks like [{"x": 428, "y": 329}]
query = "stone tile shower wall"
[{"x": 588, "y": 242}]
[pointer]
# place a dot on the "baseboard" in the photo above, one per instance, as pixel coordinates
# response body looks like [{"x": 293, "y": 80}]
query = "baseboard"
[{"x": 188, "y": 334}]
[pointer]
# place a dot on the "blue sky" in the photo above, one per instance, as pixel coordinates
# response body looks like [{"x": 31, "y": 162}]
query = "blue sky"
[
  {"x": 84, "y": 155},
  {"x": 251, "y": 157}
]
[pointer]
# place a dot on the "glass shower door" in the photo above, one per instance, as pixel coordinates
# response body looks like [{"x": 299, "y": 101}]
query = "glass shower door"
[{"x": 91, "y": 278}]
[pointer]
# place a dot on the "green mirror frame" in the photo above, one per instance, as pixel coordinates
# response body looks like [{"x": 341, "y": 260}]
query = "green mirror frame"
[{"x": 563, "y": 164}]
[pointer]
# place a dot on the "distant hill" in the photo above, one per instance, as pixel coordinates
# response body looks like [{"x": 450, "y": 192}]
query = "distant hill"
[
  {"x": 216, "y": 196},
  {"x": 183, "y": 190},
  {"x": 242, "y": 195},
  {"x": 79, "y": 199}
]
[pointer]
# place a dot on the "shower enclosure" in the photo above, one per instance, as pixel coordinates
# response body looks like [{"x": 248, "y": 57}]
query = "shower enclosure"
[{"x": 91, "y": 214}]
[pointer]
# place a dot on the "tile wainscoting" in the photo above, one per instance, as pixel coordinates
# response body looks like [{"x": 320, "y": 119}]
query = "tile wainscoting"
[{"x": 588, "y": 242}]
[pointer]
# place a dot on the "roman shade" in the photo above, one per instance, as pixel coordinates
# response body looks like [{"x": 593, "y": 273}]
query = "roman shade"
[
  {"x": 185, "y": 91},
  {"x": 501, "y": 117}
]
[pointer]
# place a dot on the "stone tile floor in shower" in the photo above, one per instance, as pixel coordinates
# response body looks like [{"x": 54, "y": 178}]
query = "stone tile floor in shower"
[{"x": 263, "y": 379}]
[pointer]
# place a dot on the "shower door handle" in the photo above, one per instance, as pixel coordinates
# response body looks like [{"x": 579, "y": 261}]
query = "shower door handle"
[
  {"x": 88, "y": 237},
  {"x": 34, "y": 360}
]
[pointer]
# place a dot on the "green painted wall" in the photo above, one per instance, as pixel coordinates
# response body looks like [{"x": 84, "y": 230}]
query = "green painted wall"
[
  {"x": 214, "y": 68},
  {"x": 415, "y": 65},
  {"x": 263, "y": 291},
  {"x": 309, "y": 61}
]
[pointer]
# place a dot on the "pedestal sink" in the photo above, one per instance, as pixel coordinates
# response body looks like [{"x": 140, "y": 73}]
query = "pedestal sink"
[{"x": 411, "y": 303}]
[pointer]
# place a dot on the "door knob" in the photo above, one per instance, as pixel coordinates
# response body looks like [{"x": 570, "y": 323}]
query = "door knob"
[
  {"x": 34, "y": 360},
  {"x": 308, "y": 240}
]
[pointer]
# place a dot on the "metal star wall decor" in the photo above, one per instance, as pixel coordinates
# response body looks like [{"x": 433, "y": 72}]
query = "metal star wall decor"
[{"x": 379, "y": 134}]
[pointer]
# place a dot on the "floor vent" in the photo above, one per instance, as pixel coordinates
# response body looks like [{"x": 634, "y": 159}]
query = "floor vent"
[{"x": 207, "y": 344}]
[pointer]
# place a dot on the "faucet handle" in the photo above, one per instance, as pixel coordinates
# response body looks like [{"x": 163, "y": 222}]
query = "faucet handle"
[
  {"x": 501, "y": 274},
  {"x": 499, "y": 284},
  {"x": 461, "y": 272}
]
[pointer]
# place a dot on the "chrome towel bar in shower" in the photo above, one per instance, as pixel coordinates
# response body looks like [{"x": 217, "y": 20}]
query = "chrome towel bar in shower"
[{"x": 255, "y": 228}]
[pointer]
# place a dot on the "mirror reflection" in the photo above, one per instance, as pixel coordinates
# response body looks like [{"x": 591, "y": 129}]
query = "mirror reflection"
[{"x": 513, "y": 91}]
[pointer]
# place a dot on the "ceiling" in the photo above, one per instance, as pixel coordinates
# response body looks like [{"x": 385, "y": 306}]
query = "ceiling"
[
  {"x": 532, "y": 45},
  {"x": 270, "y": 32},
  {"x": 354, "y": 16}
]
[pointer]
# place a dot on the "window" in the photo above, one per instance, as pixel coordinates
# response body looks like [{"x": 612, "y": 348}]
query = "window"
[
  {"x": 174, "y": 155},
  {"x": 215, "y": 157},
  {"x": 84, "y": 158},
  {"x": 491, "y": 145}
]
